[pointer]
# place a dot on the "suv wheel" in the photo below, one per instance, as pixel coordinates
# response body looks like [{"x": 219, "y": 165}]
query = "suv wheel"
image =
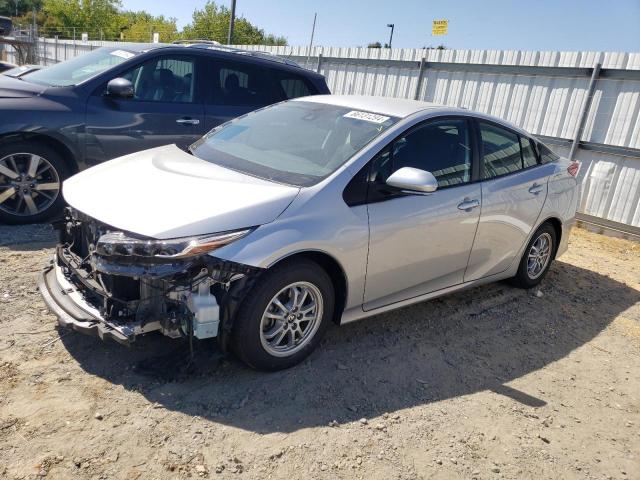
[
  {"x": 284, "y": 316},
  {"x": 31, "y": 176}
]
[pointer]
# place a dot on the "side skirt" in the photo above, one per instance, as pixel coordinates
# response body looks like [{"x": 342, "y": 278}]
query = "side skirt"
[{"x": 357, "y": 313}]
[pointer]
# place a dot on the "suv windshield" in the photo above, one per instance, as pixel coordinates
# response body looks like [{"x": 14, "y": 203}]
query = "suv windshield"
[
  {"x": 297, "y": 143},
  {"x": 79, "y": 69}
]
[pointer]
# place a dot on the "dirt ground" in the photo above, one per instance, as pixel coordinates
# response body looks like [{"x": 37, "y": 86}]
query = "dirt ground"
[{"x": 493, "y": 382}]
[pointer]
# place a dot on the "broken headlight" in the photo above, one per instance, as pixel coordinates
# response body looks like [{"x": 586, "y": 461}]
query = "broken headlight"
[{"x": 119, "y": 244}]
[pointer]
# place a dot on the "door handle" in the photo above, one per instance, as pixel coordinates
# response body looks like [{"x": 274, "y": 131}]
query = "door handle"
[
  {"x": 188, "y": 121},
  {"x": 468, "y": 205},
  {"x": 536, "y": 188}
]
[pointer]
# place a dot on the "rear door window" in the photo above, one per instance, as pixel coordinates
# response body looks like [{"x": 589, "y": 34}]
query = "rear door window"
[
  {"x": 240, "y": 84},
  {"x": 500, "y": 151}
]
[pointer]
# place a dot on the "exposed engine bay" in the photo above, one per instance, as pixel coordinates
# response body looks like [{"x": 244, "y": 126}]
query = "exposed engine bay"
[{"x": 107, "y": 282}]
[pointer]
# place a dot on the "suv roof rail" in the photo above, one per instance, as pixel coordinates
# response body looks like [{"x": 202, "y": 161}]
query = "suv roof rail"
[
  {"x": 213, "y": 45},
  {"x": 191, "y": 42}
]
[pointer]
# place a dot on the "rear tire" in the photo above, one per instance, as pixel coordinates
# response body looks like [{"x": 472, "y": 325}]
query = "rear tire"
[
  {"x": 31, "y": 176},
  {"x": 537, "y": 257},
  {"x": 270, "y": 337}
]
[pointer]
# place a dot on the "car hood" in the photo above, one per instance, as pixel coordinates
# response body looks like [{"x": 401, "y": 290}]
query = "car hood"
[
  {"x": 166, "y": 193},
  {"x": 11, "y": 87}
]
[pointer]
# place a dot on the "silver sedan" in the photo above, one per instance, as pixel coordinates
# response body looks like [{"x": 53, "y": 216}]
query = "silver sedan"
[{"x": 317, "y": 210}]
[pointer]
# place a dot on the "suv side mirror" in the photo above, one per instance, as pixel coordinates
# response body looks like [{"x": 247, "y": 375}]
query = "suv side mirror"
[
  {"x": 413, "y": 180},
  {"x": 120, "y": 88}
]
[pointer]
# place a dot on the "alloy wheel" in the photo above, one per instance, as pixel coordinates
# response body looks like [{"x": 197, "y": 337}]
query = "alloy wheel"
[
  {"x": 539, "y": 256},
  {"x": 291, "y": 319},
  {"x": 29, "y": 184}
]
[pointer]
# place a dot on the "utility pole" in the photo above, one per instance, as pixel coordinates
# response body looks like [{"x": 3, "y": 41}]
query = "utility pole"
[
  {"x": 17, "y": 1},
  {"x": 390, "y": 25},
  {"x": 313, "y": 31},
  {"x": 231, "y": 22}
]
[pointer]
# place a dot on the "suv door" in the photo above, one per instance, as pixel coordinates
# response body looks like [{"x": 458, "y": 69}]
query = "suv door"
[
  {"x": 166, "y": 108},
  {"x": 514, "y": 189},
  {"x": 420, "y": 243}
]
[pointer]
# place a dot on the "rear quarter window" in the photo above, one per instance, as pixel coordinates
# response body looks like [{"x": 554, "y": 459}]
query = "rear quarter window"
[
  {"x": 529, "y": 158},
  {"x": 290, "y": 85},
  {"x": 546, "y": 155},
  {"x": 294, "y": 87}
]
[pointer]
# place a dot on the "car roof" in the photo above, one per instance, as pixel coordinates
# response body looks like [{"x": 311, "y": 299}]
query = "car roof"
[
  {"x": 401, "y": 107},
  {"x": 394, "y": 107}
]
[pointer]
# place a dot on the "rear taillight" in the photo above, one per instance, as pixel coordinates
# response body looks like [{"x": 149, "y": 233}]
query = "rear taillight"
[{"x": 573, "y": 169}]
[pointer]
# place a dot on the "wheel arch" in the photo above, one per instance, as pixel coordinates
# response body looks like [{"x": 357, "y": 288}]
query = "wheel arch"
[
  {"x": 556, "y": 223},
  {"x": 66, "y": 153},
  {"x": 333, "y": 268}
]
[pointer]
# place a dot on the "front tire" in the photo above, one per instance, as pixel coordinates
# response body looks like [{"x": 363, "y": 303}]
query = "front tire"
[
  {"x": 537, "y": 257},
  {"x": 31, "y": 176},
  {"x": 284, "y": 316}
]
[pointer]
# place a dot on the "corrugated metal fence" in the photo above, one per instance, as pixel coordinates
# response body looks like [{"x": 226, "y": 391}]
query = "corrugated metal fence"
[{"x": 543, "y": 92}]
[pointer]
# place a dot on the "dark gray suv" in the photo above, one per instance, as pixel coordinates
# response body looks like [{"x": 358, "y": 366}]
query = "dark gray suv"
[{"x": 114, "y": 101}]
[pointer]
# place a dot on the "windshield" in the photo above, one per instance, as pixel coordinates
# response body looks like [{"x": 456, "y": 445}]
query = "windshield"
[
  {"x": 78, "y": 69},
  {"x": 297, "y": 143}
]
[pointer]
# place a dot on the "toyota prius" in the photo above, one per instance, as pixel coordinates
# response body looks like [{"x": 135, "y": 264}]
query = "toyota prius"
[{"x": 315, "y": 210}]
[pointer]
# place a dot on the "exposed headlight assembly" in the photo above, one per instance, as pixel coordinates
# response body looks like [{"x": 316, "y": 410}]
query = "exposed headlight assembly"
[{"x": 119, "y": 244}]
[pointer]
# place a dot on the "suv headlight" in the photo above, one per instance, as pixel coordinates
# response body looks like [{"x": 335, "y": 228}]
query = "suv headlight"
[{"x": 119, "y": 244}]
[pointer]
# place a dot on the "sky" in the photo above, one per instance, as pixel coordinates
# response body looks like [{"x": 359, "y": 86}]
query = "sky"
[{"x": 606, "y": 25}]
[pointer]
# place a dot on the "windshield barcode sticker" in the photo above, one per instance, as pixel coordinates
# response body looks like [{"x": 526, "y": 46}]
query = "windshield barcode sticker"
[
  {"x": 122, "y": 53},
  {"x": 366, "y": 116}
]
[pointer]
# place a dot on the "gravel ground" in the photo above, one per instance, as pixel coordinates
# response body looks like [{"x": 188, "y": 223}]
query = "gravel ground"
[{"x": 493, "y": 382}]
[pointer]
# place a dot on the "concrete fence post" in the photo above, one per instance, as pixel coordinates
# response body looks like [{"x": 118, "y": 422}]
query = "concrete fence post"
[{"x": 319, "y": 63}]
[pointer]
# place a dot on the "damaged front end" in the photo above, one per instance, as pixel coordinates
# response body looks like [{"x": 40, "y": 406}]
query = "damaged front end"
[{"x": 115, "y": 285}]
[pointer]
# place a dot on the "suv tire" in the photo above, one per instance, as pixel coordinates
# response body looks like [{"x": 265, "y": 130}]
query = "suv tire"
[{"x": 31, "y": 176}]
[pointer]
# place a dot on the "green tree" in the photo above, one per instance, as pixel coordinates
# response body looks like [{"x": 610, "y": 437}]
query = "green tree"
[
  {"x": 99, "y": 18},
  {"x": 139, "y": 27},
  {"x": 212, "y": 23},
  {"x": 8, "y": 7}
]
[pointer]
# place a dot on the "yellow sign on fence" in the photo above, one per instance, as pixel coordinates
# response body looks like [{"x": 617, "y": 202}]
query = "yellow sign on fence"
[{"x": 440, "y": 27}]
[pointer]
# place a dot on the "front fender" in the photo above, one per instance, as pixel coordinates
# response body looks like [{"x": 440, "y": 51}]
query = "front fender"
[
  {"x": 334, "y": 229},
  {"x": 58, "y": 119},
  {"x": 68, "y": 136}
]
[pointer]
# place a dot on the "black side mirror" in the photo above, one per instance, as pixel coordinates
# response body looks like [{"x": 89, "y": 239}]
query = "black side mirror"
[{"x": 120, "y": 88}]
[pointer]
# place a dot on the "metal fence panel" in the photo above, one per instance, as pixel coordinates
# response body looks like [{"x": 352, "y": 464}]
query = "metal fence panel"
[{"x": 543, "y": 92}]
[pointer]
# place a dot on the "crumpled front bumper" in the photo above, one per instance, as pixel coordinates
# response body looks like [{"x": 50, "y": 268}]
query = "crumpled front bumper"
[{"x": 66, "y": 302}]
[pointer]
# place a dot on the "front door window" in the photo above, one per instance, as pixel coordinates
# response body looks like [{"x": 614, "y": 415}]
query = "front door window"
[{"x": 164, "y": 79}]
